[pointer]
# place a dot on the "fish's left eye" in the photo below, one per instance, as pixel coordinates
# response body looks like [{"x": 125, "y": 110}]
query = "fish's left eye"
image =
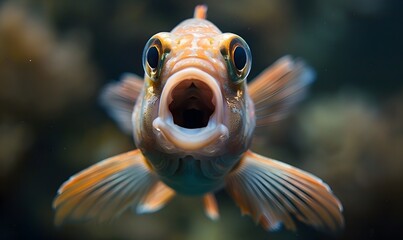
[{"x": 237, "y": 57}]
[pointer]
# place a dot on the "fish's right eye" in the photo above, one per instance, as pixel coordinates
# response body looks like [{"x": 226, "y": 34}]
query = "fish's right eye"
[{"x": 153, "y": 58}]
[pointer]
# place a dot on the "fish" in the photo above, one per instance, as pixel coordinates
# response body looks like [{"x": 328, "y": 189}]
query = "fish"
[{"x": 193, "y": 117}]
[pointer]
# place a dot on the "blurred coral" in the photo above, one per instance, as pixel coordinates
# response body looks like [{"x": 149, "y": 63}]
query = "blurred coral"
[
  {"x": 355, "y": 146},
  {"x": 15, "y": 138},
  {"x": 40, "y": 74},
  {"x": 354, "y": 137}
]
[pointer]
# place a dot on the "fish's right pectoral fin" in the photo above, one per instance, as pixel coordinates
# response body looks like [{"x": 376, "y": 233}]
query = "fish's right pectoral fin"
[
  {"x": 119, "y": 98},
  {"x": 272, "y": 192},
  {"x": 103, "y": 191}
]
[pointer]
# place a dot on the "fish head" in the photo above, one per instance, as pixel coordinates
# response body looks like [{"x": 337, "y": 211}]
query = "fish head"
[{"x": 195, "y": 99}]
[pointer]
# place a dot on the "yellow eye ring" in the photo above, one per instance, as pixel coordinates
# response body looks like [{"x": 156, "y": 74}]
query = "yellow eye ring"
[
  {"x": 154, "y": 55},
  {"x": 237, "y": 56}
]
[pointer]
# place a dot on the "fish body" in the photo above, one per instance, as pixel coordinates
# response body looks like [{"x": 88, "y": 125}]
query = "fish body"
[
  {"x": 193, "y": 80},
  {"x": 193, "y": 122}
]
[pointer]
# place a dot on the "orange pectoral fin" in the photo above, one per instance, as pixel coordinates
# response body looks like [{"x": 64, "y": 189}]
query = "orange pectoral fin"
[
  {"x": 277, "y": 90},
  {"x": 104, "y": 190},
  {"x": 156, "y": 199},
  {"x": 210, "y": 206},
  {"x": 119, "y": 99},
  {"x": 272, "y": 192}
]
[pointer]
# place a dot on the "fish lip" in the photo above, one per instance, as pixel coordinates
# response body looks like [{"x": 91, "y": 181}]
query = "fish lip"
[{"x": 172, "y": 136}]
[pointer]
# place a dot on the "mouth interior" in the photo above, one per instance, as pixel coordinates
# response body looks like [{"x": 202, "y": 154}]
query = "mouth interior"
[{"x": 192, "y": 104}]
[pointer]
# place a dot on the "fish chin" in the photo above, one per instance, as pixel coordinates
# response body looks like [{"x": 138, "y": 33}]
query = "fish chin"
[{"x": 190, "y": 115}]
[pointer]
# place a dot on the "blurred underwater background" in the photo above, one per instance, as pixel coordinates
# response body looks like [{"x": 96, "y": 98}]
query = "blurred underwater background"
[{"x": 55, "y": 57}]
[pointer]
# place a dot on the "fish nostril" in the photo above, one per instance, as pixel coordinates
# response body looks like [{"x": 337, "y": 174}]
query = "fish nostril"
[{"x": 191, "y": 105}]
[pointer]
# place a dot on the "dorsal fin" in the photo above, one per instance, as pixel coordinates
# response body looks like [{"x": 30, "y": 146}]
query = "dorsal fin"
[{"x": 200, "y": 12}]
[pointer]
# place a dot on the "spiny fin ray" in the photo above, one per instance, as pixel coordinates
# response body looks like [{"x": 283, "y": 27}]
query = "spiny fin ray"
[{"x": 200, "y": 12}]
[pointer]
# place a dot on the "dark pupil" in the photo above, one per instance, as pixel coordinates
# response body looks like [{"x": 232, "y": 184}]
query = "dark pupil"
[
  {"x": 239, "y": 58},
  {"x": 152, "y": 57}
]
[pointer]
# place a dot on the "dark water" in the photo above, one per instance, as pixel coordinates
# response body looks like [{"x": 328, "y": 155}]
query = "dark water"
[{"x": 56, "y": 56}]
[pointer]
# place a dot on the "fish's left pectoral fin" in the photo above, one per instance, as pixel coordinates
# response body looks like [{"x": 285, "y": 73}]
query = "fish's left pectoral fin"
[
  {"x": 119, "y": 98},
  {"x": 277, "y": 90},
  {"x": 273, "y": 193},
  {"x": 211, "y": 207},
  {"x": 103, "y": 191}
]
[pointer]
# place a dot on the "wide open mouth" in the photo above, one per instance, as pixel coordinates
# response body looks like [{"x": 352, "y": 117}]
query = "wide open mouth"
[
  {"x": 192, "y": 104},
  {"x": 190, "y": 114}
]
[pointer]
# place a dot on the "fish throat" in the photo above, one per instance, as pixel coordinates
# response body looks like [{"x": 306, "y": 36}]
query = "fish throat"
[{"x": 192, "y": 104}]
